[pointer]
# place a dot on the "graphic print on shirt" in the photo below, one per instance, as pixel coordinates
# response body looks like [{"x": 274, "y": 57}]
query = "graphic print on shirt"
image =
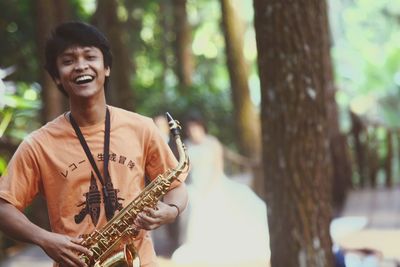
[
  {"x": 120, "y": 159},
  {"x": 93, "y": 201}
]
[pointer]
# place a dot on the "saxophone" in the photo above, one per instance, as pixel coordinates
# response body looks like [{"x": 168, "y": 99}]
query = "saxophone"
[{"x": 111, "y": 245}]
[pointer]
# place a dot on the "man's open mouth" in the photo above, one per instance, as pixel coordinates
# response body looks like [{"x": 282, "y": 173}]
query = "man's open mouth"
[{"x": 84, "y": 79}]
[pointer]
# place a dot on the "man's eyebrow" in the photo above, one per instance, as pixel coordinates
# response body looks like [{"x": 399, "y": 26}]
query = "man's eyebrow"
[
  {"x": 66, "y": 54},
  {"x": 70, "y": 52},
  {"x": 88, "y": 49}
]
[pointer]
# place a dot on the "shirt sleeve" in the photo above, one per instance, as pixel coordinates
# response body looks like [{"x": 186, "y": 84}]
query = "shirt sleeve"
[
  {"x": 160, "y": 157},
  {"x": 20, "y": 182}
]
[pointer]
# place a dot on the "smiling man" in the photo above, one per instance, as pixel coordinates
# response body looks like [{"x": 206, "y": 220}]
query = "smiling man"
[{"x": 88, "y": 163}]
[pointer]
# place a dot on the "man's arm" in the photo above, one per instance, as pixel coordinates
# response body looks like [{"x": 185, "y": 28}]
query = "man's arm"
[
  {"x": 175, "y": 201},
  {"x": 177, "y": 197},
  {"x": 60, "y": 248}
]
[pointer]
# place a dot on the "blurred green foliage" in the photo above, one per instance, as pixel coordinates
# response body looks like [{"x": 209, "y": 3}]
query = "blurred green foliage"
[
  {"x": 366, "y": 52},
  {"x": 19, "y": 108}
]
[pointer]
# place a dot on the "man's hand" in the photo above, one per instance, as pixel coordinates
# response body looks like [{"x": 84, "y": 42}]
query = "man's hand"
[
  {"x": 64, "y": 249},
  {"x": 151, "y": 219}
]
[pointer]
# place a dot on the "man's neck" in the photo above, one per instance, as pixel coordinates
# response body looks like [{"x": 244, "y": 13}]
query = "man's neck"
[{"x": 88, "y": 113}]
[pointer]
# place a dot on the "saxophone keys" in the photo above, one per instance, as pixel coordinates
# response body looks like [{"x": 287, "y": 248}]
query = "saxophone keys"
[{"x": 133, "y": 231}]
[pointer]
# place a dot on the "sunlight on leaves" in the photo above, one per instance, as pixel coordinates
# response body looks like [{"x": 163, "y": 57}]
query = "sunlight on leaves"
[
  {"x": 89, "y": 6},
  {"x": 366, "y": 53},
  {"x": 206, "y": 40}
]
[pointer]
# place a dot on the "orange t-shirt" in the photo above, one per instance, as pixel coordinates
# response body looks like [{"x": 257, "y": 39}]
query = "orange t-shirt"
[{"x": 51, "y": 161}]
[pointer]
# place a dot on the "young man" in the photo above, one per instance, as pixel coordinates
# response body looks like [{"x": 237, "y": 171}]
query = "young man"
[{"x": 88, "y": 163}]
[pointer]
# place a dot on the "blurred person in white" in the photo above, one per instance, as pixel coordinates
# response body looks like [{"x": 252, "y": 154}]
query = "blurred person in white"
[{"x": 227, "y": 221}]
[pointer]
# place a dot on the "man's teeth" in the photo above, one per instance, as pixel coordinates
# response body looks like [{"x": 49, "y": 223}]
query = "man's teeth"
[{"x": 84, "y": 78}]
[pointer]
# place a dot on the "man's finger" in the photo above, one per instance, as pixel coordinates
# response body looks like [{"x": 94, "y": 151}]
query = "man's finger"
[
  {"x": 150, "y": 212},
  {"x": 147, "y": 218},
  {"x": 74, "y": 259},
  {"x": 78, "y": 248},
  {"x": 67, "y": 262},
  {"x": 76, "y": 240}
]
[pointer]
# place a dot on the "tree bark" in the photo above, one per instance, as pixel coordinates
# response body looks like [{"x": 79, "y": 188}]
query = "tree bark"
[
  {"x": 247, "y": 120},
  {"x": 292, "y": 45}
]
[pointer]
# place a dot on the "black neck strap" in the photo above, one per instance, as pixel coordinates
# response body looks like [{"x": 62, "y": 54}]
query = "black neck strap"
[{"x": 106, "y": 181}]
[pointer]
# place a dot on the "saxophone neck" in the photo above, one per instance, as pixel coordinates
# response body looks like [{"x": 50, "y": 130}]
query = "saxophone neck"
[
  {"x": 175, "y": 129},
  {"x": 183, "y": 158}
]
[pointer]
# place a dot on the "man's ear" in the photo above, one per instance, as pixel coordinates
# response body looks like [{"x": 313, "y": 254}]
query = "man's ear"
[
  {"x": 57, "y": 81},
  {"x": 108, "y": 71}
]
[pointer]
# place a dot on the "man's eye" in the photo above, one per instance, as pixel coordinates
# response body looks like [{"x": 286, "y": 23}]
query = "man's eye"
[
  {"x": 67, "y": 61},
  {"x": 91, "y": 57}
]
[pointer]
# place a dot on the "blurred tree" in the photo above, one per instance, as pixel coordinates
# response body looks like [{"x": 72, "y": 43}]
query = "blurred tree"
[
  {"x": 388, "y": 164},
  {"x": 371, "y": 144},
  {"x": 183, "y": 45},
  {"x": 246, "y": 117},
  {"x": 133, "y": 42},
  {"x": 107, "y": 19},
  {"x": 165, "y": 21},
  {"x": 292, "y": 45},
  {"x": 360, "y": 150},
  {"x": 48, "y": 13}
]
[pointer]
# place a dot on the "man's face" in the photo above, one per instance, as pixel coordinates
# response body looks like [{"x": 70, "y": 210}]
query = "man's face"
[{"x": 81, "y": 71}]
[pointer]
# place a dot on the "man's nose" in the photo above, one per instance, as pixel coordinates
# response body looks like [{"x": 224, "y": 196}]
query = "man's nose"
[{"x": 81, "y": 64}]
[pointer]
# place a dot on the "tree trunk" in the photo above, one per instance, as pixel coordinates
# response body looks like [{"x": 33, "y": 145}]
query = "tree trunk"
[
  {"x": 371, "y": 168},
  {"x": 168, "y": 29},
  {"x": 120, "y": 92},
  {"x": 342, "y": 170},
  {"x": 247, "y": 119},
  {"x": 183, "y": 45},
  {"x": 63, "y": 10},
  {"x": 357, "y": 130},
  {"x": 292, "y": 42},
  {"x": 51, "y": 96},
  {"x": 389, "y": 159}
]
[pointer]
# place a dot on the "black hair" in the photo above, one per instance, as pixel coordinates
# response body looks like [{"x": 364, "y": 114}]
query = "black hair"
[
  {"x": 196, "y": 117},
  {"x": 74, "y": 33}
]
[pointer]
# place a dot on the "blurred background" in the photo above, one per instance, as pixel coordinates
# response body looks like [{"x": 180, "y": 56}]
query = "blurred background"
[{"x": 302, "y": 101}]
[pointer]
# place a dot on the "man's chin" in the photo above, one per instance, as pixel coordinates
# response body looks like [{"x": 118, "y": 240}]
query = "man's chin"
[{"x": 86, "y": 92}]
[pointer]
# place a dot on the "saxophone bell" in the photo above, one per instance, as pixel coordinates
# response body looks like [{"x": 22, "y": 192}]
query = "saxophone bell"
[{"x": 128, "y": 257}]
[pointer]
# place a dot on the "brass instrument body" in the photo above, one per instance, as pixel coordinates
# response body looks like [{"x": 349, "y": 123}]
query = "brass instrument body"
[{"x": 107, "y": 242}]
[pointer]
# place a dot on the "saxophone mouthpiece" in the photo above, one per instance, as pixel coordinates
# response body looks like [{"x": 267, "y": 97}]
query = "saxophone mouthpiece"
[
  {"x": 169, "y": 117},
  {"x": 174, "y": 126}
]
